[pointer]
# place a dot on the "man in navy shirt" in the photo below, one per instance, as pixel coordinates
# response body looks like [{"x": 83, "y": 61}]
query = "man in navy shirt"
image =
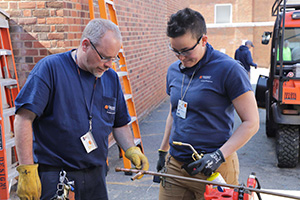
[
  {"x": 71, "y": 102},
  {"x": 243, "y": 55},
  {"x": 205, "y": 87}
]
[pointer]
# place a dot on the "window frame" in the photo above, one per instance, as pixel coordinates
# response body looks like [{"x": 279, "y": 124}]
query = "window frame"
[{"x": 215, "y": 13}]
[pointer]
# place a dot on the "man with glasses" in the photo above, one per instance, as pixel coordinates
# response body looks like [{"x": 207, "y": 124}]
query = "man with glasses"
[
  {"x": 71, "y": 102},
  {"x": 205, "y": 86}
]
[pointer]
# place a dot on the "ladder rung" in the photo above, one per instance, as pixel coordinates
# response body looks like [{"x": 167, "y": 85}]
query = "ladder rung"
[
  {"x": 109, "y": 2},
  {"x": 3, "y": 23},
  {"x": 4, "y": 52},
  {"x": 7, "y": 112},
  {"x": 120, "y": 74},
  {"x": 12, "y": 172},
  {"x": 8, "y": 81},
  {"x": 10, "y": 142},
  {"x": 133, "y": 119},
  {"x": 127, "y": 96},
  {"x": 137, "y": 141}
]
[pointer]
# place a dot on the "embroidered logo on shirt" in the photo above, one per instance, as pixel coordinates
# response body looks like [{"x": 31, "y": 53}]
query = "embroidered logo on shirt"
[
  {"x": 110, "y": 109},
  {"x": 205, "y": 79}
]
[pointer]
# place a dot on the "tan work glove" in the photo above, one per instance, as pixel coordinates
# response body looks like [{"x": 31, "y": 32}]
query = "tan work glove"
[
  {"x": 29, "y": 184},
  {"x": 137, "y": 158}
]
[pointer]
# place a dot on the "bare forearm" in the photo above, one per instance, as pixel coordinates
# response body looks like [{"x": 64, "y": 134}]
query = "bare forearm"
[
  {"x": 239, "y": 138},
  {"x": 123, "y": 137},
  {"x": 247, "y": 110},
  {"x": 165, "y": 142},
  {"x": 23, "y": 136}
]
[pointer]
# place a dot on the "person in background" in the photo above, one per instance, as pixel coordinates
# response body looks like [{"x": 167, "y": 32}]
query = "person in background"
[
  {"x": 205, "y": 87},
  {"x": 286, "y": 52},
  {"x": 243, "y": 55},
  {"x": 71, "y": 102}
]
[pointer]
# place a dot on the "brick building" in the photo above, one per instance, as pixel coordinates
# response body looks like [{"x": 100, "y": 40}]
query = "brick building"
[
  {"x": 230, "y": 23},
  {"x": 39, "y": 28}
]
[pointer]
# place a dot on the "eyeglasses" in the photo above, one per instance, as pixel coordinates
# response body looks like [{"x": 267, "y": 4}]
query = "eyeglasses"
[
  {"x": 185, "y": 52},
  {"x": 104, "y": 59}
]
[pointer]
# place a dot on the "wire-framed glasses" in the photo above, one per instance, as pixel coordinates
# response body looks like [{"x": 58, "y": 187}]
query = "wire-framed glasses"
[{"x": 104, "y": 59}]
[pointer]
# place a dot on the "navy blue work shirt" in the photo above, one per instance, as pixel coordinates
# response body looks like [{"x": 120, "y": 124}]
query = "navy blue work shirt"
[
  {"x": 218, "y": 80},
  {"x": 54, "y": 93}
]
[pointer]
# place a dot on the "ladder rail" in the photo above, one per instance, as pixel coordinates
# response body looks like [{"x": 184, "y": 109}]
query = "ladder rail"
[
  {"x": 105, "y": 5},
  {"x": 9, "y": 89},
  {"x": 4, "y": 191}
]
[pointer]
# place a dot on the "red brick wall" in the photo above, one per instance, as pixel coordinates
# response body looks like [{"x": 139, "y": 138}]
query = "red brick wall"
[
  {"x": 39, "y": 28},
  {"x": 143, "y": 27},
  {"x": 230, "y": 38}
]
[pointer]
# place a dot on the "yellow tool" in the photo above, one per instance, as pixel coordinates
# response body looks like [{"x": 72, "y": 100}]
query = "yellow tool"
[{"x": 195, "y": 155}]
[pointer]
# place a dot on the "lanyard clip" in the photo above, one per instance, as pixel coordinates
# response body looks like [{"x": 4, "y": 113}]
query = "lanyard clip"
[{"x": 90, "y": 122}]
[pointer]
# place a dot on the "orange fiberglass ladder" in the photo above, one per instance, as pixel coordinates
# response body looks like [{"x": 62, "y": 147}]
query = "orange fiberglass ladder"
[
  {"x": 105, "y": 5},
  {"x": 8, "y": 92}
]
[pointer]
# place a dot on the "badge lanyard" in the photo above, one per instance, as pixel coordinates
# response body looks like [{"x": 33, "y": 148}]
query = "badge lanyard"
[
  {"x": 87, "y": 139},
  {"x": 182, "y": 96},
  {"x": 182, "y": 105},
  {"x": 90, "y": 110}
]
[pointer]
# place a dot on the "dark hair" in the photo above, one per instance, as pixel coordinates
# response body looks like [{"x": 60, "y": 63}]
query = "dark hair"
[{"x": 186, "y": 20}]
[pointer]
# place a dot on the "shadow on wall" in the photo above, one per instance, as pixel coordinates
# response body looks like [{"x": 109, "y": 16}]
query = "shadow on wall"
[
  {"x": 27, "y": 49},
  {"x": 31, "y": 43}
]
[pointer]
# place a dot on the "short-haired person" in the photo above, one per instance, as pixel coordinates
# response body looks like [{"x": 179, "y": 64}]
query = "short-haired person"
[
  {"x": 205, "y": 87},
  {"x": 71, "y": 102},
  {"x": 243, "y": 55}
]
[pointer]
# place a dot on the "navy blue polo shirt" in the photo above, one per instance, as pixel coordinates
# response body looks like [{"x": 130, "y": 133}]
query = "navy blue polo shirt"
[
  {"x": 210, "y": 113},
  {"x": 54, "y": 93}
]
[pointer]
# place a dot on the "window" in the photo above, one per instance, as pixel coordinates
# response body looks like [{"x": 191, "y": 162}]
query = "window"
[{"x": 223, "y": 13}]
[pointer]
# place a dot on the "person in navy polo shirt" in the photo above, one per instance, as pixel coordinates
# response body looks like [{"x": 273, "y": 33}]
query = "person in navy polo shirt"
[
  {"x": 205, "y": 87},
  {"x": 69, "y": 105}
]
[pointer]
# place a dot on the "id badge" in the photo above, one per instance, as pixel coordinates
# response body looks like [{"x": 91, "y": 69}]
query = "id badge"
[
  {"x": 181, "y": 109},
  {"x": 88, "y": 142}
]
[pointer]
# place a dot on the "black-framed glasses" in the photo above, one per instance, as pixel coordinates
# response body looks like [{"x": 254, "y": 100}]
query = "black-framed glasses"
[
  {"x": 104, "y": 59},
  {"x": 185, "y": 52}
]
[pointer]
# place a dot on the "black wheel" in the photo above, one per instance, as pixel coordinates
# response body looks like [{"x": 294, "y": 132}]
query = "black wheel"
[{"x": 287, "y": 147}]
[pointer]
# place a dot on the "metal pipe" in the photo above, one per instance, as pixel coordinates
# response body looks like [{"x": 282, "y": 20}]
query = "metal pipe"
[
  {"x": 198, "y": 156},
  {"x": 119, "y": 169}
]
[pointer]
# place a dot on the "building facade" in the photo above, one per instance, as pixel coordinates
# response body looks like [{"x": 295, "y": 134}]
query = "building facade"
[
  {"x": 39, "y": 28},
  {"x": 231, "y": 22}
]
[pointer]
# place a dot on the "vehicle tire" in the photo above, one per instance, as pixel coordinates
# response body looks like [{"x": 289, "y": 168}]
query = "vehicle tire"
[{"x": 287, "y": 146}]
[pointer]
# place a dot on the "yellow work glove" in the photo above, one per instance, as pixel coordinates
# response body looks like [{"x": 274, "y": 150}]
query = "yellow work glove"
[
  {"x": 29, "y": 184},
  {"x": 137, "y": 158}
]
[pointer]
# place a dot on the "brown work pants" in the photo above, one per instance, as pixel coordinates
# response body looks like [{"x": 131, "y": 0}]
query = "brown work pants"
[{"x": 176, "y": 189}]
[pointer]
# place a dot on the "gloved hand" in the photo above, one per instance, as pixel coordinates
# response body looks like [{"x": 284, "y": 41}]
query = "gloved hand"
[
  {"x": 255, "y": 66},
  {"x": 137, "y": 158},
  {"x": 207, "y": 164},
  {"x": 161, "y": 159},
  {"x": 29, "y": 184}
]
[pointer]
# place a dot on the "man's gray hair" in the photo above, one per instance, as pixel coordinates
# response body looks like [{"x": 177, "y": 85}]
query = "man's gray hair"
[{"x": 96, "y": 29}]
